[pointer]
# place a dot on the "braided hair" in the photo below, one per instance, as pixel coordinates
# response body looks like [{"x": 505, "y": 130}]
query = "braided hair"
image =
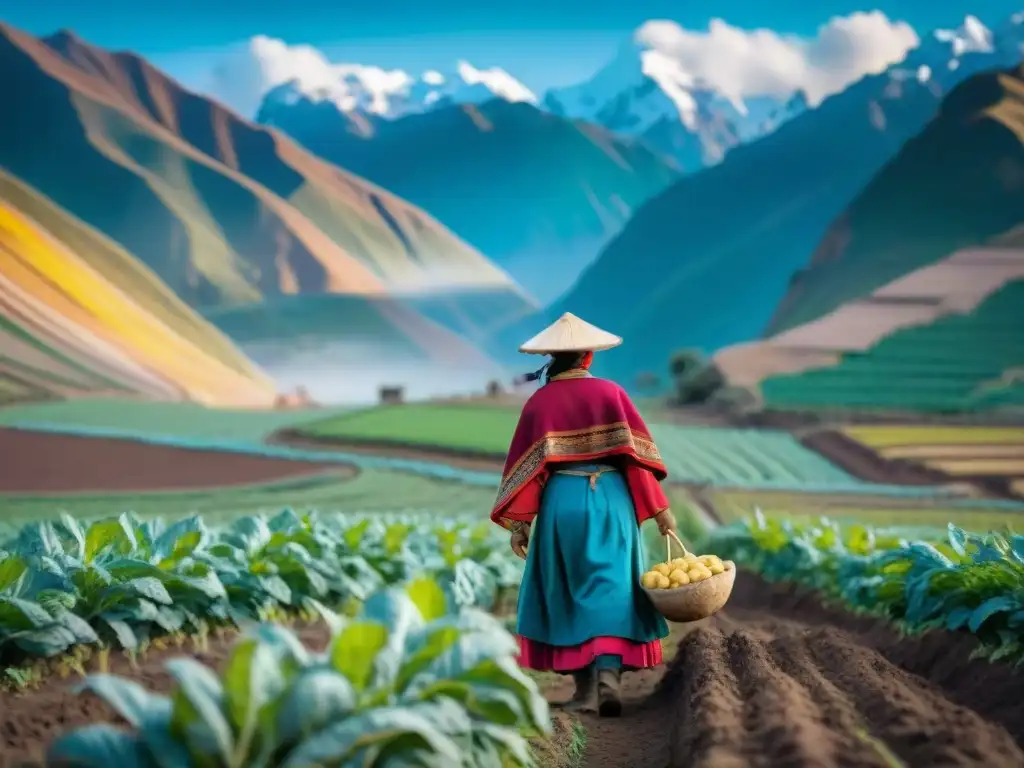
[{"x": 559, "y": 363}]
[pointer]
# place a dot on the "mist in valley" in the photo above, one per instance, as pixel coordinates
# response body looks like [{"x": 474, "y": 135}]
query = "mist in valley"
[{"x": 342, "y": 372}]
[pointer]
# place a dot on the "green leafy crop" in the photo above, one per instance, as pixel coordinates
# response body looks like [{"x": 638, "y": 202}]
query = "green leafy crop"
[
  {"x": 404, "y": 683},
  {"x": 967, "y": 582},
  {"x": 119, "y": 582}
]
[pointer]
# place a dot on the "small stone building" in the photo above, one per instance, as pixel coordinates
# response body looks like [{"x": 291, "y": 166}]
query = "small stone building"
[{"x": 392, "y": 395}]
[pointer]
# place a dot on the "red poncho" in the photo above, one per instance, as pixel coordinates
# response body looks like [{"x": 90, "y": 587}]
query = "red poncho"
[{"x": 573, "y": 419}]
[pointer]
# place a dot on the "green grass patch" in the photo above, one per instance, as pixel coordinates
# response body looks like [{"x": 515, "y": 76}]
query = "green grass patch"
[
  {"x": 565, "y": 746},
  {"x": 186, "y": 420},
  {"x": 477, "y": 428}
]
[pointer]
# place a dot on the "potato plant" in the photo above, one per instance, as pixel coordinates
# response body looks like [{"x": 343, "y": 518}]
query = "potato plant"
[
  {"x": 967, "y": 582},
  {"x": 121, "y": 581},
  {"x": 405, "y": 683}
]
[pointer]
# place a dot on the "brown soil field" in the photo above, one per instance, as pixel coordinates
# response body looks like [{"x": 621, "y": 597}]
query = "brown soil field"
[
  {"x": 776, "y": 680},
  {"x": 40, "y": 462},
  {"x": 781, "y": 680},
  {"x": 860, "y": 461}
]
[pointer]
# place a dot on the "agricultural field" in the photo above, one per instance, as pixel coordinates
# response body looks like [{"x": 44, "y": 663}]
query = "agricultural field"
[
  {"x": 964, "y": 580},
  {"x": 183, "y": 420},
  {"x": 740, "y": 457},
  {"x": 733, "y": 505},
  {"x": 378, "y": 582},
  {"x": 385, "y": 617},
  {"x": 73, "y": 593},
  {"x": 474, "y": 428},
  {"x": 693, "y": 454},
  {"x": 967, "y": 452}
]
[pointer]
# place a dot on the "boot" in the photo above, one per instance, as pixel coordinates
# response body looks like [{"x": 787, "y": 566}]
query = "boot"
[
  {"x": 583, "y": 697},
  {"x": 608, "y": 689}
]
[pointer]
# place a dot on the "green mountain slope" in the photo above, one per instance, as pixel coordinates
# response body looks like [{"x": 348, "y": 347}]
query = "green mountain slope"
[
  {"x": 538, "y": 194},
  {"x": 706, "y": 263},
  {"x": 962, "y": 362},
  {"x": 958, "y": 183},
  {"x": 232, "y": 212}
]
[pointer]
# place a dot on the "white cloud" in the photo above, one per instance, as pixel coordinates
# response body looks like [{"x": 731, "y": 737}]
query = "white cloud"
[
  {"x": 740, "y": 63},
  {"x": 242, "y": 77},
  {"x": 245, "y": 74}
]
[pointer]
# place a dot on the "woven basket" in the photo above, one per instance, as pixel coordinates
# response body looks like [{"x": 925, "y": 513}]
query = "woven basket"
[{"x": 692, "y": 602}]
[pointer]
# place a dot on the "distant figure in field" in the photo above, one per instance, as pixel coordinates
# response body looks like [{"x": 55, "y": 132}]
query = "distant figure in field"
[{"x": 581, "y": 475}]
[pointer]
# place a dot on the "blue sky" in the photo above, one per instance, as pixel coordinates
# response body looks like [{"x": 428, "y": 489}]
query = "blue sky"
[{"x": 542, "y": 42}]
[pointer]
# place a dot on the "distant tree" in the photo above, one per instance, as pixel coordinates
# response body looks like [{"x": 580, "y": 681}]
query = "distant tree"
[
  {"x": 735, "y": 399},
  {"x": 695, "y": 377},
  {"x": 494, "y": 388},
  {"x": 685, "y": 361}
]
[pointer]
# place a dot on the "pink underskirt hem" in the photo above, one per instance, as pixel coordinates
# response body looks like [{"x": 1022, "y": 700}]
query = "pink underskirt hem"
[{"x": 541, "y": 656}]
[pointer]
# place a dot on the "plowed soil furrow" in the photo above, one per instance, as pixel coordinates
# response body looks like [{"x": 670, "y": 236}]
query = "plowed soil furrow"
[
  {"x": 761, "y": 688},
  {"x": 912, "y": 716}
]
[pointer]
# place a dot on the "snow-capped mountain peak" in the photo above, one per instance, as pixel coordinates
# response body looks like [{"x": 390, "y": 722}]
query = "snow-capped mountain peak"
[
  {"x": 970, "y": 37},
  {"x": 357, "y": 88},
  {"x": 948, "y": 56},
  {"x": 497, "y": 81},
  {"x": 646, "y": 92}
]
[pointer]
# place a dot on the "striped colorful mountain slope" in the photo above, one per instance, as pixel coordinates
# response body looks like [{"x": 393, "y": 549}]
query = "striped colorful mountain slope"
[{"x": 81, "y": 317}]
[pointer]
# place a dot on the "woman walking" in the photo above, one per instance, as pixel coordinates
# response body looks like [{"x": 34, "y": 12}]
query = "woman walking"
[{"x": 581, "y": 475}]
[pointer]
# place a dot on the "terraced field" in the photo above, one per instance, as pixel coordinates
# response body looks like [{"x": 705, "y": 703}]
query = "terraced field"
[
  {"x": 744, "y": 457},
  {"x": 968, "y": 452},
  {"x": 692, "y": 454},
  {"x": 955, "y": 363}
]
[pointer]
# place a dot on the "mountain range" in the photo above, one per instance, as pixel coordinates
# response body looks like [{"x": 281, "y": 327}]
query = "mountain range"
[
  {"x": 538, "y": 194},
  {"x": 706, "y": 262},
  {"x": 228, "y": 214},
  {"x": 81, "y": 317},
  {"x": 343, "y": 239},
  {"x": 925, "y": 306},
  {"x": 959, "y": 182},
  {"x": 543, "y": 196},
  {"x": 644, "y": 92},
  {"x": 360, "y": 90}
]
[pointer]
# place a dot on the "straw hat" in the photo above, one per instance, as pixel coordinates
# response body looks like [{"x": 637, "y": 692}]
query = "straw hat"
[{"x": 570, "y": 334}]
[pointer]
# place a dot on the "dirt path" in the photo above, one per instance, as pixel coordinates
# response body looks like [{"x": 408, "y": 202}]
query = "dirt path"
[
  {"x": 781, "y": 681},
  {"x": 44, "y": 462}
]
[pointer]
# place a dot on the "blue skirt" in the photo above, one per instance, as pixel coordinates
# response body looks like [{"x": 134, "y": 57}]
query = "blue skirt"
[{"x": 581, "y": 597}]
